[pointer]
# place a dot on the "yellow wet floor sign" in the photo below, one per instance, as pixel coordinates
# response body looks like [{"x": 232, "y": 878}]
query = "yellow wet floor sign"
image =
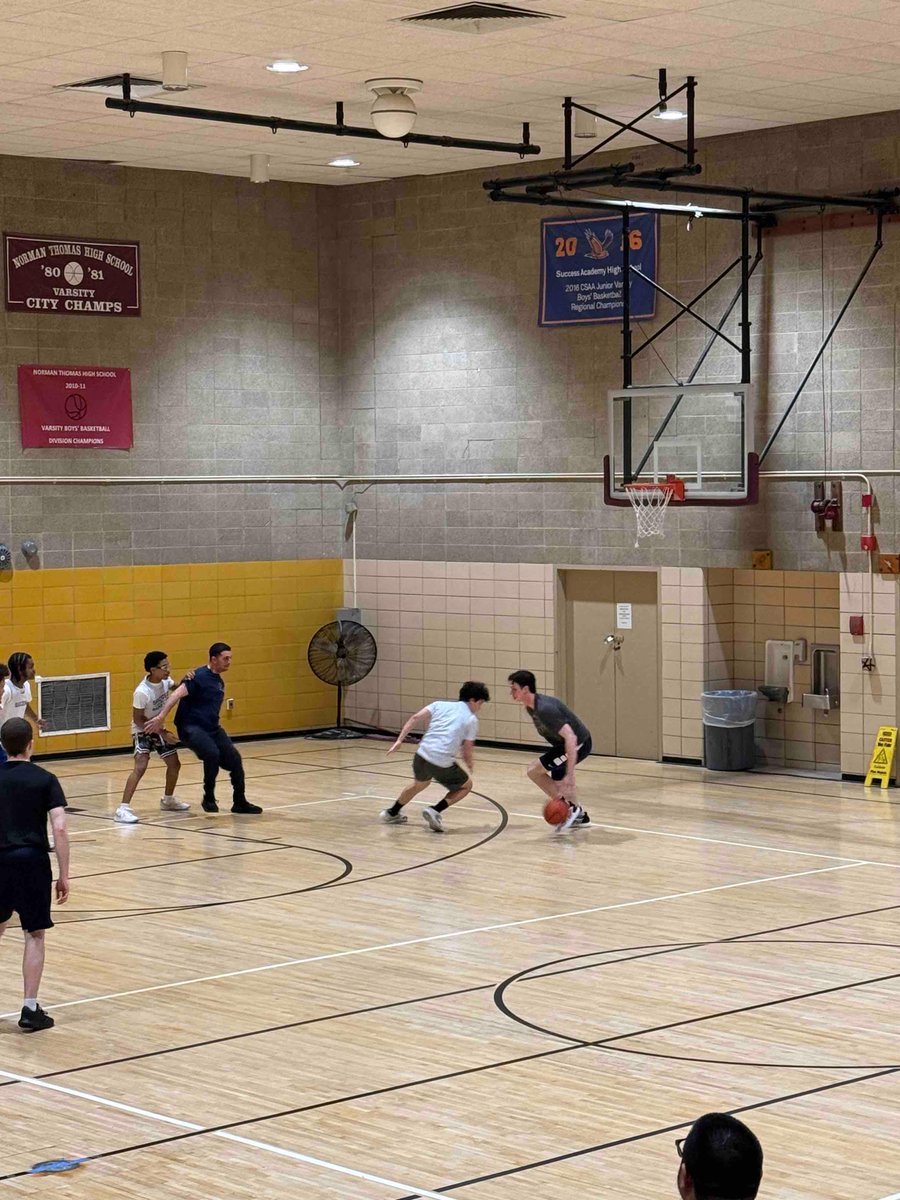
[{"x": 882, "y": 756}]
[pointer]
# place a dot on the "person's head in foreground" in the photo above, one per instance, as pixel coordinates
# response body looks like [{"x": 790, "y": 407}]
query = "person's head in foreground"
[{"x": 721, "y": 1159}]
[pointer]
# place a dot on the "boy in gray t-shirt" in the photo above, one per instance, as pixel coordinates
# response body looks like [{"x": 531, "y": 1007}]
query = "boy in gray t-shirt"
[
  {"x": 452, "y": 726},
  {"x": 570, "y": 742}
]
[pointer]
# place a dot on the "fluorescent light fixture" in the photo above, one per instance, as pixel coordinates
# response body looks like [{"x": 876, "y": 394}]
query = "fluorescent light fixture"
[
  {"x": 664, "y": 113},
  {"x": 344, "y": 162},
  {"x": 286, "y": 66}
]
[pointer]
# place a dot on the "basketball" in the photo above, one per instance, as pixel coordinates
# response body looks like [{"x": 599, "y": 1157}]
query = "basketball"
[{"x": 556, "y": 811}]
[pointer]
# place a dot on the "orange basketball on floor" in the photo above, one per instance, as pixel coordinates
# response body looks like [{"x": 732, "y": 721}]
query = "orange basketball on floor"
[{"x": 556, "y": 811}]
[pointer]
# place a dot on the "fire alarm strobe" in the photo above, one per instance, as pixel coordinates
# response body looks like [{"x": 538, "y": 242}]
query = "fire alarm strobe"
[{"x": 857, "y": 626}]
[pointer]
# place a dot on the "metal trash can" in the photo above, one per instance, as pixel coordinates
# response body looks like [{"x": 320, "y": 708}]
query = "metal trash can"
[{"x": 729, "y": 717}]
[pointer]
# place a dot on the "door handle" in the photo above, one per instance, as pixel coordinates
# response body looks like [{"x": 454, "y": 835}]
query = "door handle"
[{"x": 613, "y": 639}]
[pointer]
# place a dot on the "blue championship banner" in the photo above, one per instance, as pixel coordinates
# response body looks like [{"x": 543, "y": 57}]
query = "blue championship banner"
[{"x": 582, "y": 269}]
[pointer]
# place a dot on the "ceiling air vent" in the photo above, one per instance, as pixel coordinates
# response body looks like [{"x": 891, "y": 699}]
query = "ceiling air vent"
[
  {"x": 111, "y": 85},
  {"x": 478, "y": 18}
]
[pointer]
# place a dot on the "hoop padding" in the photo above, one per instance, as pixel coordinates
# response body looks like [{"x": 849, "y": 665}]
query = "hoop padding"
[{"x": 650, "y": 502}]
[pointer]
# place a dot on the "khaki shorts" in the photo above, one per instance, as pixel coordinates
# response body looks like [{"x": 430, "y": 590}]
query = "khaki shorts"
[{"x": 452, "y": 777}]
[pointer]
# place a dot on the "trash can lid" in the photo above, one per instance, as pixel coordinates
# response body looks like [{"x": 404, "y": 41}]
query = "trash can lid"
[{"x": 729, "y": 694}]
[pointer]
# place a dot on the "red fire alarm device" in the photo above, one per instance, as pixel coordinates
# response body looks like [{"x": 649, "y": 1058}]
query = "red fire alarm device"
[
  {"x": 857, "y": 626},
  {"x": 868, "y": 542}
]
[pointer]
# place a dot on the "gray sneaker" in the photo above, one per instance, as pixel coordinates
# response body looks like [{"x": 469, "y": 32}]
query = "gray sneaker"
[
  {"x": 390, "y": 818},
  {"x": 433, "y": 819}
]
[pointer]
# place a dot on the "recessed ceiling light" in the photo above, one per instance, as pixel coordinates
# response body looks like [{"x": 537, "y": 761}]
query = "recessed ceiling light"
[
  {"x": 664, "y": 113},
  {"x": 286, "y": 66},
  {"x": 343, "y": 162}
]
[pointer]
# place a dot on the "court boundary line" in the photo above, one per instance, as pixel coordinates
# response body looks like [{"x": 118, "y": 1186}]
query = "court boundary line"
[
  {"x": 437, "y": 937},
  {"x": 192, "y": 1127}
]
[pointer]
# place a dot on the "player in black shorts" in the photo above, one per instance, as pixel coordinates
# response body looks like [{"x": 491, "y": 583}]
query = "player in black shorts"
[
  {"x": 28, "y": 795},
  {"x": 570, "y": 742}
]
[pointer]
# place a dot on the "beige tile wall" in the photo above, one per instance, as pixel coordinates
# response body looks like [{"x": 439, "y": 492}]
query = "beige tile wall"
[
  {"x": 440, "y": 623},
  {"x": 868, "y": 698},
  {"x": 683, "y": 613},
  {"x": 787, "y": 604}
]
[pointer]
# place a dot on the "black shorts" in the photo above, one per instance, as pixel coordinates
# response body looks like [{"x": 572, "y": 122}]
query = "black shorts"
[
  {"x": 555, "y": 762},
  {"x": 146, "y": 743},
  {"x": 26, "y": 885},
  {"x": 452, "y": 777}
]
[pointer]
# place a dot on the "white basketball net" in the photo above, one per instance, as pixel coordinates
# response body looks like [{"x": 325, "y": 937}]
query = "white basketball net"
[{"x": 649, "y": 504}]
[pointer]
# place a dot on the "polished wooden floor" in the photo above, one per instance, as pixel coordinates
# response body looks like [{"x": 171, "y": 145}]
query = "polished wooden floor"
[{"x": 314, "y": 1004}]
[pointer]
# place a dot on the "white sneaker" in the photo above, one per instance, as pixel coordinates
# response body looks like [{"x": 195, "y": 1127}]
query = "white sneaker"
[
  {"x": 390, "y": 818},
  {"x": 173, "y": 804},
  {"x": 576, "y": 812},
  {"x": 125, "y": 815},
  {"x": 433, "y": 819}
]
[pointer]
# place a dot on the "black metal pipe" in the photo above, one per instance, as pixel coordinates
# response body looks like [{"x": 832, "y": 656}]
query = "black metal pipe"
[
  {"x": 627, "y": 355},
  {"x": 503, "y": 197},
  {"x": 711, "y": 341},
  {"x": 567, "y": 133},
  {"x": 624, "y": 176},
  {"x": 706, "y": 189},
  {"x": 276, "y": 123},
  {"x": 691, "y": 145},
  {"x": 490, "y": 185},
  {"x": 812, "y": 366},
  {"x": 745, "y": 289},
  {"x": 669, "y": 172}
]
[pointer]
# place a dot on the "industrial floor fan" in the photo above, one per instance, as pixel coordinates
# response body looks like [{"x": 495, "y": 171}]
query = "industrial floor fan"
[{"x": 341, "y": 653}]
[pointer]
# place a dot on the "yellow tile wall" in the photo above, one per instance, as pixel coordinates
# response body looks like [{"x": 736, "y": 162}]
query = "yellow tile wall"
[{"x": 106, "y": 618}]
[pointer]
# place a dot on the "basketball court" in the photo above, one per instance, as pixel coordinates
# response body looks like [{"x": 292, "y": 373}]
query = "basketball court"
[{"x": 315, "y": 1001}]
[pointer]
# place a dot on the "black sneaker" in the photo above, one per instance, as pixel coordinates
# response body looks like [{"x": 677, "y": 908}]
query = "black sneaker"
[
  {"x": 246, "y": 808},
  {"x": 584, "y": 819},
  {"x": 34, "y": 1019},
  {"x": 209, "y": 806}
]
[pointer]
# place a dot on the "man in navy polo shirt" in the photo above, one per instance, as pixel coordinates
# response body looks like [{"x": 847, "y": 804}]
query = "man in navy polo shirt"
[{"x": 199, "y": 703}]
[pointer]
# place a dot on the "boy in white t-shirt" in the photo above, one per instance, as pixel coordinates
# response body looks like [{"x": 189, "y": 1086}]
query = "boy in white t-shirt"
[
  {"x": 149, "y": 697},
  {"x": 16, "y": 700},
  {"x": 5, "y": 704},
  {"x": 452, "y": 726}
]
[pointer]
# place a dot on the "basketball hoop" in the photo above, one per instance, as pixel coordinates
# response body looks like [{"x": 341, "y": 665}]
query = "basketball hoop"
[{"x": 650, "y": 501}]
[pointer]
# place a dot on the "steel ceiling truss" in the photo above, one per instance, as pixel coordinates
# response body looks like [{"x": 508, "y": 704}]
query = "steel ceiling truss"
[{"x": 574, "y": 188}]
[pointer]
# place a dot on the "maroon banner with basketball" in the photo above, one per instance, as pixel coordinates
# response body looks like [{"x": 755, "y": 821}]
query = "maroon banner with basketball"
[
  {"x": 72, "y": 276},
  {"x": 86, "y": 408}
]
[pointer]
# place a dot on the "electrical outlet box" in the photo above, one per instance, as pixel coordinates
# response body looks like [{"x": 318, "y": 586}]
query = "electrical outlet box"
[
  {"x": 762, "y": 560},
  {"x": 889, "y": 564},
  {"x": 229, "y": 704}
]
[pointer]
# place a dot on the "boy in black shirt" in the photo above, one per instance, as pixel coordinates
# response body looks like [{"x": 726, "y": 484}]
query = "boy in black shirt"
[
  {"x": 570, "y": 742},
  {"x": 28, "y": 795}
]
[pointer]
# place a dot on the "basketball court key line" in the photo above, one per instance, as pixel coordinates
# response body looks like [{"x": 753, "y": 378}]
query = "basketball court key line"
[
  {"x": 224, "y": 1135},
  {"x": 439, "y": 937}
]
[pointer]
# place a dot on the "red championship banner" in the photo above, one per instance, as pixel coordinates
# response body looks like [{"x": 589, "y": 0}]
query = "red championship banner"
[
  {"x": 87, "y": 408},
  {"x": 72, "y": 276}
]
